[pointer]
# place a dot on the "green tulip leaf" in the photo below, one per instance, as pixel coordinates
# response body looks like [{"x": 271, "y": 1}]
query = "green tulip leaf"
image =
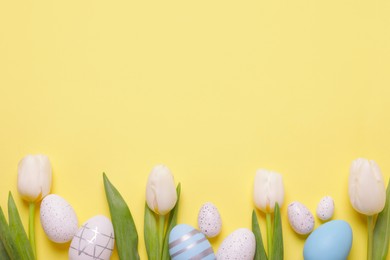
[
  {"x": 277, "y": 243},
  {"x": 6, "y": 238},
  {"x": 126, "y": 236},
  {"x": 171, "y": 224},
  {"x": 150, "y": 234},
  {"x": 260, "y": 253},
  {"x": 3, "y": 252},
  {"x": 17, "y": 231},
  {"x": 382, "y": 231}
]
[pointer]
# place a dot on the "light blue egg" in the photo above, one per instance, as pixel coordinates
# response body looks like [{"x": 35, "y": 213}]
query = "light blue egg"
[
  {"x": 186, "y": 242},
  {"x": 330, "y": 241}
]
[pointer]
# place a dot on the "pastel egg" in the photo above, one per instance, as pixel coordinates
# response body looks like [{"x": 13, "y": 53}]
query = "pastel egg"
[
  {"x": 325, "y": 208},
  {"x": 240, "y": 244},
  {"x": 58, "y": 219},
  {"x": 209, "y": 220},
  {"x": 300, "y": 218},
  {"x": 186, "y": 242},
  {"x": 94, "y": 240},
  {"x": 332, "y": 240}
]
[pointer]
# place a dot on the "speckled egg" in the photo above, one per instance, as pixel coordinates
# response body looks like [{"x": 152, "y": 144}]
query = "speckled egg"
[
  {"x": 300, "y": 218},
  {"x": 325, "y": 208},
  {"x": 209, "y": 220},
  {"x": 94, "y": 240},
  {"x": 58, "y": 219},
  {"x": 330, "y": 241},
  {"x": 186, "y": 242},
  {"x": 240, "y": 245}
]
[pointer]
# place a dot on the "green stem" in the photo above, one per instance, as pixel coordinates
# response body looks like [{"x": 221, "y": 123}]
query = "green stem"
[
  {"x": 31, "y": 228},
  {"x": 370, "y": 227},
  {"x": 269, "y": 235},
  {"x": 161, "y": 225}
]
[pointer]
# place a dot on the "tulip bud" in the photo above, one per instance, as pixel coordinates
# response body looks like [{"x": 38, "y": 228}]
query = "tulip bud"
[
  {"x": 268, "y": 190},
  {"x": 161, "y": 194},
  {"x": 34, "y": 177},
  {"x": 367, "y": 190}
]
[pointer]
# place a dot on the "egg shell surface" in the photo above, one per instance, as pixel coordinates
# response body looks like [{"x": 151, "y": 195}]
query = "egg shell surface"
[
  {"x": 240, "y": 245},
  {"x": 186, "y": 242},
  {"x": 94, "y": 240},
  {"x": 330, "y": 241},
  {"x": 209, "y": 220},
  {"x": 58, "y": 219},
  {"x": 325, "y": 208},
  {"x": 300, "y": 218}
]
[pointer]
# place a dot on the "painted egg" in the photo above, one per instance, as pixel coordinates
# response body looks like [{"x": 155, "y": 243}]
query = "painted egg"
[
  {"x": 300, "y": 218},
  {"x": 325, "y": 208},
  {"x": 332, "y": 240},
  {"x": 94, "y": 240},
  {"x": 240, "y": 244},
  {"x": 58, "y": 219},
  {"x": 186, "y": 242},
  {"x": 209, "y": 220}
]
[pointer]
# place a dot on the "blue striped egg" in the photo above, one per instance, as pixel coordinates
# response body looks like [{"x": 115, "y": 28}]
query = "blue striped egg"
[{"x": 186, "y": 242}]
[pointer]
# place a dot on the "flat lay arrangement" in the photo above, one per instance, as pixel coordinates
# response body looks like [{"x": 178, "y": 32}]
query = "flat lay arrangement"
[
  {"x": 194, "y": 129},
  {"x": 165, "y": 239}
]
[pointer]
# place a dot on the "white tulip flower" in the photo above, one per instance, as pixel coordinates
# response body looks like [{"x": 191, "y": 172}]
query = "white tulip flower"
[
  {"x": 367, "y": 193},
  {"x": 161, "y": 194},
  {"x": 34, "y": 177},
  {"x": 34, "y": 183},
  {"x": 268, "y": 190},
  {"x": 367, "y": 190}
]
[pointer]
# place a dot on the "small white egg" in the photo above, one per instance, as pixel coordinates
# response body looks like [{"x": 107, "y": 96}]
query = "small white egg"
[
  {"x": 94, "y": 240},
  {"x": 240, "y": 245},
  {"x": 209, "y": 220},
  {"x": 325, "y": 208},
  {"x": 300, "y": 218},
  {"x": 58, "y": 219}
]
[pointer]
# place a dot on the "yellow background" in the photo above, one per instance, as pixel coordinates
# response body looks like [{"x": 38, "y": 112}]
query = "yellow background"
[{"x": 212, "y": 89}]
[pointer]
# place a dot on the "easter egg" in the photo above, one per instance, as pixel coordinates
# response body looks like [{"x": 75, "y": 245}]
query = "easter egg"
[
  {"x": 209, "y": 220},
  {"x": 186, "y": 242},
  {"x": 241, "y": 244},
  {"x": 330, "y": 241},
  {"x": 93, "y": 240},
  {"x": 300, "y": 218},
  {"x": 58, "y": 219},
  {"x": 325, "y": 208}
]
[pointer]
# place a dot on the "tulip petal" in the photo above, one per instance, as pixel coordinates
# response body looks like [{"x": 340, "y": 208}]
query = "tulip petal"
[
  {"x": 382, "y": 230},
  {"x": 367, "y": 191},
  {"x": 18, "y": 233},
  {"x": 277, "y": 243},
  {"x": 34, "y": 177},
  {"x": 268, "y": 189},
  {"x": 6, "y": 238},
  {"x": 171, "y": 224},
  {"x": 126, "y": 236},
  {"x": 150, "y": 234},
  {"x": 260, "y": 250},
  {"x": 45, "y": 175}
]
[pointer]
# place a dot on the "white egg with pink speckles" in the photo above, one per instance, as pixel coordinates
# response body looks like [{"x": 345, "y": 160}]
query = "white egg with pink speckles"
[
  {"x": 300, "y": 218},
  {"x": 325, "y": 208},
  {"x": 58, "y": 219},
  {"x": 240, "y": 245},
  {"x": 209, "y": 220}
]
